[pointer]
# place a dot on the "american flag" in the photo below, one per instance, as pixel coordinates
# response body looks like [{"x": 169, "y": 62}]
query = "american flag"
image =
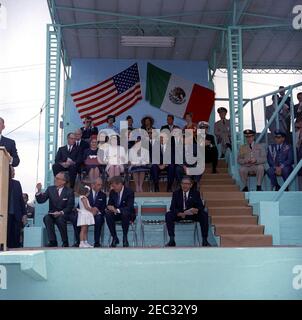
[{"x": 110, "y": 97}]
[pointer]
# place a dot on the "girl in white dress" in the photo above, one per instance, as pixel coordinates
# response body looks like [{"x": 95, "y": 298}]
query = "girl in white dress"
[{"x": 85, "y": 216}]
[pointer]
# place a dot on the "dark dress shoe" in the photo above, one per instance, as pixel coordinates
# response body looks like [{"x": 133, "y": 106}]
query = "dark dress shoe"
[
  {"x": 52, "y": 244},
  {"x": 259, "y": 188},
  {"x": 97, "y": 245},
  {"x": 114, "y": 243},
  {"x": 75, "y": 245},
  {"x": 205, "y": 243},
  {"x": 171, "y": 243},
  {"x": 125, "y": 243},
  {"x": 245, "y": 189},
  {"x": 214, "y": 171},
  {"x": 65, "y": 244},
  {"x": 156, "y": 188}
]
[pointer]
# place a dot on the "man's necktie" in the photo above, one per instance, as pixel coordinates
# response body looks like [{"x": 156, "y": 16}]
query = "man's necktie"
[
  {"x": 185, "y": 200},
  {"x": 223, "y": 121},
  {"x": 94, "y": 198},
  {"x": 118, "y": 199},
  {"x": 251, "y": 146}
]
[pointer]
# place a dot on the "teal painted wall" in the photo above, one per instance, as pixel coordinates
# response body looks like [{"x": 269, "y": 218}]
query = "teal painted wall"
[{"x": 201, "y": 273}]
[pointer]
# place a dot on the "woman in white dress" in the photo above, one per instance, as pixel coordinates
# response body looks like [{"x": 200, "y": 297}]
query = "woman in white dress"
[
  {"x": 85, "y": 215},
  {"x": 115, "y": 157}
]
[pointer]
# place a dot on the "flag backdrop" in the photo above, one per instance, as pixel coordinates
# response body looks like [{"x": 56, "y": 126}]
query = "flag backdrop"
[
  {"x": 177, "y": 96},
  {"x": 110, "y": 97}
]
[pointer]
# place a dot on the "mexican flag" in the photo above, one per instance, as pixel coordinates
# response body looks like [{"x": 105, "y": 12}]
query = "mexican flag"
[{"x": 177, "y": 96}]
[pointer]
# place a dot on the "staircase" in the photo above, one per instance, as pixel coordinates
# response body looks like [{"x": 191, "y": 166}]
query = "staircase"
[{"x": 231, "y": 216}]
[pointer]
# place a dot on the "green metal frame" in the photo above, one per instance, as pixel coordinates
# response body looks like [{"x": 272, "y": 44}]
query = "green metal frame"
[
  {"x": 229, "y": 40},
  {"x": 53, "y": 72}
]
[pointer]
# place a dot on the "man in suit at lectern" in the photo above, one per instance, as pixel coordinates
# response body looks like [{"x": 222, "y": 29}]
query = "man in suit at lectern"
[
  {"x": 9, "y": 145},
  {"x": 16, "y": 212},
  {"x": 61, "y": 204}
]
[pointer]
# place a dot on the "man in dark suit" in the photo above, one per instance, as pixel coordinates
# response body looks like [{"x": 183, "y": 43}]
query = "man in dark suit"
[
  {"x": 97, "y": 201},
  {"x": 30, "y": 210},
  {"x": 170, "y": 124},
  {"x": 68, "y": 158},
  {"x": 120, "y": 207},
  {"x": 9, "y": 145},
  {"x": 166, "y": 162},
  {"x": 16, "y": 212},
  {"x": 80, "y": 142},
  {"x": 89, "y": 129},
  {"x": 187, "y": 205},
  {"x": 61, "y": 205},
  {"x": 211, "y": 151}
]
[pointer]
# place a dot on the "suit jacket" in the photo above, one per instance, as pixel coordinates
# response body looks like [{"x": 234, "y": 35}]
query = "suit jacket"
[
  {"x": 16, "y": 204},
  {"x": 88, "y": 132},
  {"x": 284, "y": 116},
  {"x": 63, "y": 203},
  {"x": 257, "y": 152},
  {"x": 84, "y": 145},
  {"x": 193, "y": 201},
  {"x": 74, "y": 155},
  {"x": 283, "y": 158},
  {"x": 167, "y": 127},
  {"x": 10, "y": 147},
  {"x": 297, "y": 112},
  {"x": 30, "y": 211},
  {"x": 126, "y": 205},
  {"x": 99, "y": 202}
]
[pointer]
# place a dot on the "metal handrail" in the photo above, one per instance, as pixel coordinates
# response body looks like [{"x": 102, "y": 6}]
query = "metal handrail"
[{"x": 288, "y": 181}]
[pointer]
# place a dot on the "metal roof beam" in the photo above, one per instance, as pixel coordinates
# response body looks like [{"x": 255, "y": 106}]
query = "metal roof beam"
[{"x": 134, "y": 17}]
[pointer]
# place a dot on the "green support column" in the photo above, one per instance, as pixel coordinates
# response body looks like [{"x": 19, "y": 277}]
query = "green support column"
[
  {"x": 53, "y": 60},
  {"x": 234, "y": 64}
]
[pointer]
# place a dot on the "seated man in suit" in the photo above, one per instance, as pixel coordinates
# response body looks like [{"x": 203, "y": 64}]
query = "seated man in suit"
[
  {"x": 61, "y": 205},
  {"x": 68, "y": 158},
  {"x": 251, "y": 157},
  {"x": 120, "y": 207},
  {"x": 187, "y": 205},
  {"x": 9, "y": 145},
  {"x": 97, "y": 201},
  {"x": 166, "y": 155},
  {"x": 16, "y": 212},
  {"x": 280, "y": 159}
]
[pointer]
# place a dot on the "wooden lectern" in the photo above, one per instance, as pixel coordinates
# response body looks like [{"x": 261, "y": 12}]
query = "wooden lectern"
[{"x": 4, "y": 177}]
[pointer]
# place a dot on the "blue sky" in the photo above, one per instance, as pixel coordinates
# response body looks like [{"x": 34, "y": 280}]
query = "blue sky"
[{"x": 22, "y": 82}]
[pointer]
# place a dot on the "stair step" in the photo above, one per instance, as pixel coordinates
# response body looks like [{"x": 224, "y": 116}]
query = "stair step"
[
  {"x": 218, "y": 195},
  {"x": 234, "y": 220},
  {"x": 224, "y": 229},
  {"x": 247, "y": 240},
  {"x": 221, "y": 164},
  {"x": 219, "y": 188},
  {"x": 226, "y": 203},
  {"x": 219, "y": 170},
  {"x": 217, "y": 181},
  {"x": 216, "y": 176},
  {"x": 230, "y": 211}
]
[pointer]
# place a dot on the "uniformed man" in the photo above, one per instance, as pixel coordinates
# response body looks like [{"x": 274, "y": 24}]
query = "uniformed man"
[
  {"x": 222, "y": 131},
  {"x": 280, "y": 159},
  {"x": 251, "y": 157}
]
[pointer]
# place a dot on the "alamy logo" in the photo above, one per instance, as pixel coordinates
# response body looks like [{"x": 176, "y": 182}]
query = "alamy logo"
[
  {"x": 297, "y": 280},
  {"x": 3, "y": 16},
  {"x": 297, "y": 21},
  {"x": 3, "y": 278}
]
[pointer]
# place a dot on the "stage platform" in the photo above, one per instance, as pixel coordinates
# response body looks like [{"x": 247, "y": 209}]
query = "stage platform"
[{"x": 157, "y": 273}]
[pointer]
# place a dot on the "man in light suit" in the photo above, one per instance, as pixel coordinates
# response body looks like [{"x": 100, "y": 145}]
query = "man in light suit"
[
  {"x": 61, "y": 205},
  {"x": 97, "y": 201},
  {"x": 280, "y": 159},
  {"x": 16, "y": 212},
  {"x": 68, "y": 158},
  {"x": 120, "y": 207},
  {"x": 222, "y": 130},
  {"x": 186, "y": 204},
  {"x": 251, "y": 157},
  {"x": 9, "y": 145}
]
